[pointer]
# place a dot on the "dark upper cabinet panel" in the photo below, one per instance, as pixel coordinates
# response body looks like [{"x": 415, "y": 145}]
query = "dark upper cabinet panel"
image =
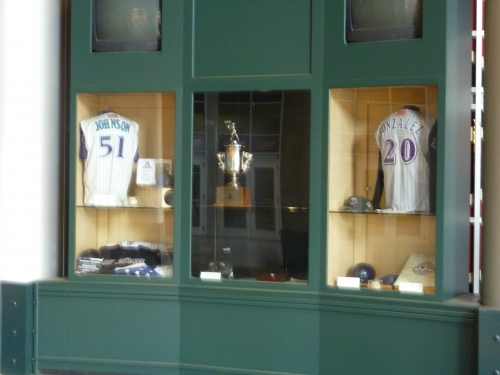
[
  {"x": 424, "y": 55},
  {"x": 129, "y": 66},
  {"x": 251, "y": 37}
]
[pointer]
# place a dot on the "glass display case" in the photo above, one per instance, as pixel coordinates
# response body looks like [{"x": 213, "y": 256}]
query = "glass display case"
[
  {"x": 382, "y": 188},
  {"x": 251, "y": 185},
  {"x": 125, "y": 184}
]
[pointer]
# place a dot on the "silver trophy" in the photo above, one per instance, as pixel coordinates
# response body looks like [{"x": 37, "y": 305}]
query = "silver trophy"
[{"x": 234, "y": 160}]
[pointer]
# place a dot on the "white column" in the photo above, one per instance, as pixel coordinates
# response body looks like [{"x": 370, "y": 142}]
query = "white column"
[{"x": 31, "y": 128}]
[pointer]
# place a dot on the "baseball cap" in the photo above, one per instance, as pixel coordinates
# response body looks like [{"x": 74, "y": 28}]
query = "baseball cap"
[{"x": 357, "y": 203}]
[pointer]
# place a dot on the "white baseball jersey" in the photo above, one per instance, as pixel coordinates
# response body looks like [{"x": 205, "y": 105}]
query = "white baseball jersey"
[
  {"x": 109, "y": 146},
  {"x": 402, "y": 138}
]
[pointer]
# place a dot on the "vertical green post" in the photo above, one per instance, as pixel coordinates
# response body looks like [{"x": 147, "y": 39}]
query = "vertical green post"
[{"x": 17, "y": 348}]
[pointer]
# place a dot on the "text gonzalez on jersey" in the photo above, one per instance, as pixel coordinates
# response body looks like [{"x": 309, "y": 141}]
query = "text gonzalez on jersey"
[{"x": 387, "y": 125}]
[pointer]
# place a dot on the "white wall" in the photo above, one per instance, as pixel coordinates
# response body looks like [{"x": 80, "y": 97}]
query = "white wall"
[{"x": 30, "y": 138}]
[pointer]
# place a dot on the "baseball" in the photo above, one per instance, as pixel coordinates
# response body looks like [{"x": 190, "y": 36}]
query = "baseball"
[
  {"x": 132, "y": 201},
  {"x": 375, "y": 284}
]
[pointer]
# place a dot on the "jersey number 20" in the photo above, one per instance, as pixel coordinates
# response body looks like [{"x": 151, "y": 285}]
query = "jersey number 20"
[{"x": 407, "y": 151}]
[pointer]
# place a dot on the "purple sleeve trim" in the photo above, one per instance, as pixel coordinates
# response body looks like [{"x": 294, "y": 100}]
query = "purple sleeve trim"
[{"x": 83, "y": 146}]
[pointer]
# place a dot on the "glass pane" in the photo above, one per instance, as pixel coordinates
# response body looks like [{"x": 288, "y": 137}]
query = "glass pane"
[
  {"x": 238, "y": 113},
  {"x": 256, "y": 208},
  {"x": 368, "y": 20},
  {"x": 235, "y": 97},
  {"x": 266, "y": 118},
  {"x": 267, "y": 96},
  {"x": 235, "y": 219},
  {"x": 383, "y": 153},
  {"x": 199, "y": 117},
  {"x": 196, "y": 196},
  {"x": 126, "y": 25},
  {"x": 124, "y": 184},
  {"x": 264, "y": 199},
  {"x": 388, "y": 13}
]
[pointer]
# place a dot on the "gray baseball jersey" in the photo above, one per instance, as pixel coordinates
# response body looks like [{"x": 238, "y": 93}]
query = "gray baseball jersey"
[
  {"x": 402, "y": 138},
  {"x": 109, "y": 146}
]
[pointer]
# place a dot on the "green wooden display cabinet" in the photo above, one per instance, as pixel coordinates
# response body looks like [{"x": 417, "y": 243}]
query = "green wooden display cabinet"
[{"x": 182, "y": 323}]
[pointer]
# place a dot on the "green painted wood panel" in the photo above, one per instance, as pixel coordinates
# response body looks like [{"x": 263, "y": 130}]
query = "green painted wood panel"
[
  {"x": 215, "y": 330},
  {"x": 385, "y": 59},
  {"x": 17, "y": 325},
  {"x": 354, "y": 343},
  {"x": 128, "y": 324},
  {"x": 251, "y": 37},
  {"x": 137, "y": 71},
  {"x": 52, "y": 326},
  {"x": 108, "y": 329},
  {"x": 455, "y": 162},
  {"x": 488, "y": 340},
  {"x": 254, "y": 338}
]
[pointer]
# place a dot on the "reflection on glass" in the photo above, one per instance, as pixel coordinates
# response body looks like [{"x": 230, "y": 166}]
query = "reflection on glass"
[
  {"x": 195, "y": 219},
  {"x": 256, "y": 229},
  {"x": 126, "y": 25},
  {"x": 264, "y": 199},
  {"x": 368, "y": 20}
]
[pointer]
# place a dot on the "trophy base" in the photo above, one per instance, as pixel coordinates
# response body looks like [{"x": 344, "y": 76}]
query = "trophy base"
[{"x": 228, "y": 196}]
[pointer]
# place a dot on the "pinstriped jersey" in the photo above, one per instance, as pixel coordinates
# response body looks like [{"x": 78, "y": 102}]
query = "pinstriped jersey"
[
  {"x": 402, "y": 138},
  {"x": 109, "y": 145}
]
